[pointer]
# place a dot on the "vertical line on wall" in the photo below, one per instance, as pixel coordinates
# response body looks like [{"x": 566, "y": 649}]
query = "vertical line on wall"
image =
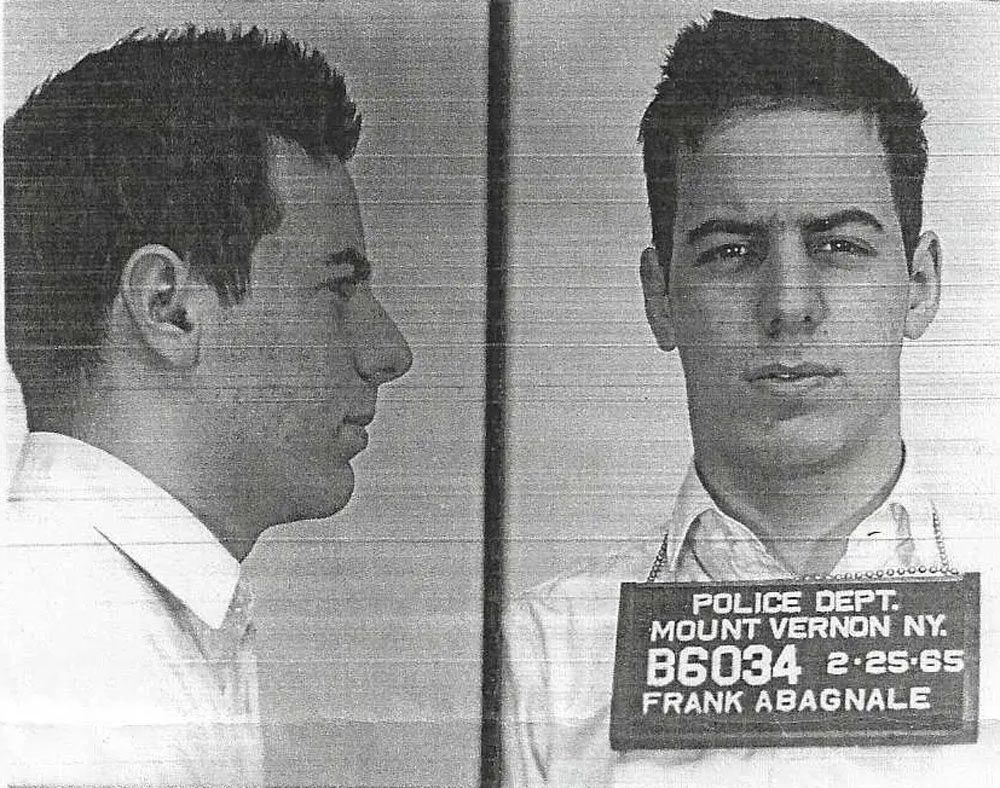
[{"x": 497, "y": 182}]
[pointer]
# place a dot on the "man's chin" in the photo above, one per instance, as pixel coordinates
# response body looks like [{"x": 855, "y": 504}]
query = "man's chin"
[
  {"x": 319, "y": 498},
  {"x": 790, "y": 446}
]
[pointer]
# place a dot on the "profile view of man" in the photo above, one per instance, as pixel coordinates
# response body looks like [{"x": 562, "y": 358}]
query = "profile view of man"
[
  {"x": 784, "y": 162},
  {"x": 189, "y": 314}
]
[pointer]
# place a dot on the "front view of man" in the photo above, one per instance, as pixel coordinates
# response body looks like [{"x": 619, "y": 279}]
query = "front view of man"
[
  {"x": 784, "y": 164},
  {"x": 189, "y": 315}
]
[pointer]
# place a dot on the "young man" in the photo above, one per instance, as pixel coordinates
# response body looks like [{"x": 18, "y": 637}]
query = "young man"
[
  {"x": 190, "y": 318},
  {"x": 784, "y": 162}
]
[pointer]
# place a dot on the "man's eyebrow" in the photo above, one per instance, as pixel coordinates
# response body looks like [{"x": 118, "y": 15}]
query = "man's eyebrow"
[
  {"x": 726, "y": 226},
  {"x": 817, "y": 225},
  {"x": 824, "y": 224}
]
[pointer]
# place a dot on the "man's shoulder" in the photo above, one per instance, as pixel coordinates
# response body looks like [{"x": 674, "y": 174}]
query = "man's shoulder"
[
  {"x": 101, "y": 658},
  {"x": 580, "y": 599},
  {"x": 79, "y": 607},
  {"x": 966, "y": 496},
  {"x": 65, "y": 584},
  {"x": 589, "y": 579}
]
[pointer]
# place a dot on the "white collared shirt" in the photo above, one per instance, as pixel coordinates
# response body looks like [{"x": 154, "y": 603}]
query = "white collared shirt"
[
  {"x": 560, "y": 640},
  {"x": 127, "y": 646},
  {"x": 705, "y": 544}
]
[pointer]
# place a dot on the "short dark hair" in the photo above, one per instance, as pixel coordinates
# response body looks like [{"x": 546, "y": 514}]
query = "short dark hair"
[
  {"x": 732, "y": 61},
  {"x": 161, "y": 138}
]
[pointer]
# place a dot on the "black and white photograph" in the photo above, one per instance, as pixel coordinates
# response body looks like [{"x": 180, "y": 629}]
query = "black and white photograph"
[{"x": 503, "y": 393}]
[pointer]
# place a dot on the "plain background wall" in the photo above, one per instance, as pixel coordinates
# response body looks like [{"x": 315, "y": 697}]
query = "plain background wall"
[
  {"x": 599, "y": 439},
  {"x": 369, "y": 623}
]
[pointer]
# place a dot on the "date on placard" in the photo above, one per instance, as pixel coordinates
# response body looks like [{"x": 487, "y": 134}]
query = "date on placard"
[{"x": 796, "y": 662}]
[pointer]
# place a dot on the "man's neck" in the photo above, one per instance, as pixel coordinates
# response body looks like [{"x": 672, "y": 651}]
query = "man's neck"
[
  {"x": 149, "y": 444},
  {"x": 804, "y": 515}
]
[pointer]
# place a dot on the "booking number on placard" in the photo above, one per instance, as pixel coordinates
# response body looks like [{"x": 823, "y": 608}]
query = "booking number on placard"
[
  {"x": 876, "y": 663},
  {"x": 724, "y": 666}
]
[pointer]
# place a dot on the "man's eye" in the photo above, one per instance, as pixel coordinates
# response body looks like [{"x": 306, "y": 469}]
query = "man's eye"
[
  {"x": 346, "y": 271},
  {"x": 344, "y": 287},
  {"x": 736, "y": 254},
  {"x": 842, "y": 246}
]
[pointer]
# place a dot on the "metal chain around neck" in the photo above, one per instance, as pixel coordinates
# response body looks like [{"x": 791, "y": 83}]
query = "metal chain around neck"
[{"x": 944, "y": 566}]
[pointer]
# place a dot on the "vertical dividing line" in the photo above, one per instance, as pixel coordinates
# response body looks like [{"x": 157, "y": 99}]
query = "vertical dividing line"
[{"x": 497, "y": 194}]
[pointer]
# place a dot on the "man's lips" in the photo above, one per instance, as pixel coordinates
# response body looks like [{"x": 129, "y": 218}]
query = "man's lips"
[
  {"x": 352, "y": 438},
  {"x": 791, "y": 373},
  {"x": 353, "y": 435}
]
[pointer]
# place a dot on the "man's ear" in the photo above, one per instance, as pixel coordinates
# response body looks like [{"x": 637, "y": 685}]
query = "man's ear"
[
  {"x": 925, "y": 286},
  {"x": 654, "y": 291},
  {"x": 157, "y": 293}
]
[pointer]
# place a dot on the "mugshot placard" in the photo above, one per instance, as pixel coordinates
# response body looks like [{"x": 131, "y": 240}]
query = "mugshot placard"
[{"x": 784, "y": 663}]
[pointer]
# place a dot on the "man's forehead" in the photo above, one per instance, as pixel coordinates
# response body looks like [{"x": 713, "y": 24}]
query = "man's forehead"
[
  {"x": 802, "y": 127},
  {"x": 309, "y": 189},
  {"x": 290, "y": 166},
  {"x": 793, "y": 157}
]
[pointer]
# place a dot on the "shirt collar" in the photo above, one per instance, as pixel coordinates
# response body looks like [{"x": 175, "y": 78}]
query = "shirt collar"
[
  {"x": 909, "y": 492},
  {"x": 155, "y": 530}
]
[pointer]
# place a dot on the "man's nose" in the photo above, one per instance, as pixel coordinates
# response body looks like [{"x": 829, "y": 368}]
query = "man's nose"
[
  {"x": 381, "y": 352},
  {"x": 792, "y": 299}
]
